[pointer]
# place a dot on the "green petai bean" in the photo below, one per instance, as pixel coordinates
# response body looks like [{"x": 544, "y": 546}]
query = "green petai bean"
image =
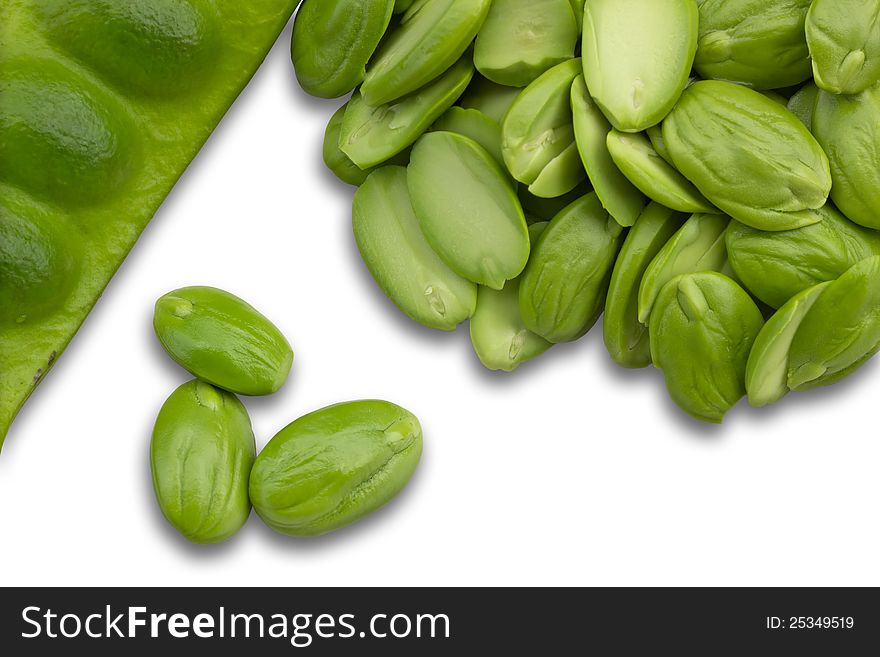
[
  {"x": 478, "y": 227},
  {"x": 334, "y": 466},
  {"x": 401, "y": 260},
  {"x": 222, "y": 340},
  {"x": 201, "y": 455}
]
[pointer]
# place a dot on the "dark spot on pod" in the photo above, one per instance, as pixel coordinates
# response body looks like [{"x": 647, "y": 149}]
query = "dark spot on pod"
[
  {"x": 39, "y": 263},
  {"x": 153, "y": 47},
  {"x": 61, "y": 137}
]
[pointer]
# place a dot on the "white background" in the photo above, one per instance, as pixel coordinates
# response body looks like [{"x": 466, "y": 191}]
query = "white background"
[{"x": 567, "y": 472}]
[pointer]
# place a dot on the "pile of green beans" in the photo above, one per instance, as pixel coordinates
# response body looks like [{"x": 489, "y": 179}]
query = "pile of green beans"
[{"x": 704, "y": 172}]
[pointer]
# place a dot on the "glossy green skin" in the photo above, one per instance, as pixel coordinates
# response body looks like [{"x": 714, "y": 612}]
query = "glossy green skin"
[
  {"x": 39, "y": 262},
  {"x": 399, "y": 257},
  {"x": 619, "y": 196},
  {"x": 848, "y": 128},
  {"x": 499, "y": 335},
  {"x": 759, "y": 43},
  {"x": 841, "y": 331},
  {"x": 844, "y": 41},
  {"x": 637, "y": 57},
  {"x": 767, "y": 369},
  {"x": 770, "y": 176},
  {"x": 803, "y": 103},
  {"x": 477, "y": 225},
  {"x": 222, "y": 340},
  {"x": 334, "y": 466},
  {"x": 474, "y": 124},
  {"x": 697, "y": 246},
  {"x": 521, "y": 39},
  {"x": 563, "y": 288},
  {"x": 776, "y": 266},
  {"x": 538, "y": 132},
  {"x": 333, "y": 40},
  {"x": 491, "y": 99},
  {"x": 655, "y": 135},
  {"x": 636, "y": 158},
  {"x": 201, "y": 456},
  {"x": 626, "y": 338},
  {"x": 432, "y": 35},
  {"x": 702, "y": 330},
  {"x": 373, "y": 135},
  {"x": 102, "y": 106},
  {"x": 339, "y": 163}
]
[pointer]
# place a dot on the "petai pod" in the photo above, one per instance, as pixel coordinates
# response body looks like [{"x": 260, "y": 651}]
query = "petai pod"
[
  {"x": 841, "y": 331},
  {"x": 844, "y": 41},
  {"x": 334, "y": 466},
  {"x": 637, "y": 159},
  {"x": 697, "y": 246},
  {"x": 637, "y": 57},
  {"x": 401, "y": 260},
  {"x": 626, "y": 338},
  {"x": 201, "y": 455},
  {"x": 774, "y": 266},
  {"x": 767, "y": 369},
  {"x": 523, "y": 38},
  {"x": 848, "y": 128},
  {"x": 619, "y": 196},
  {"x": 537, "y": 133},
  {"x": 702, "y": 330},
  {"x": 499, "y": 335},
  {"x": 476, "y": 225},
  {"x": 333, "y": 40},
  {"x": 759, "y": 43},
  {"x": 372, "y": 135},
  {"x": 431, "y": 36},
  {"x": 771, "y": 176},
  {"x": 222, "y": 340},
  {"x": 563, "y": 289}
]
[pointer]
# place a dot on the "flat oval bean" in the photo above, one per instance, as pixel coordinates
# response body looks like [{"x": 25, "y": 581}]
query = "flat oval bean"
[
  {"x": 841, "y": 331},
  {"x": 333, "y": 40},
  {"x": 844, "y": 41},
  {"x": 401, "y": 260},
  {"x": 201, "y": 455},
  {"x": 848, "y": 128},
  {"x": 626, "y": 338},
  {"x": 636, "y": 158},
  {"x": 760, "y": 43},
  {"x": 538, "y": 127},
  {"x": 334, "y": 466},
  {"x": 619, "y": 196},
  {"x": 373, "y": 135},
  {"x": 222, "y": 340},
  {"x": 637, "y": 57},
  {"x": 702, "y": 330},
  {"x": 697, "y": 246},
  {"x": 499, "y": 335},
  {"x": 775, "y": 266},
  {"x": 771, "y": 176},
  {"x": 477, "y": 227},
  {"x": 563, "y": 288},
  {"x": 767, "y": 368},
  {"x": 523, "y": 38},
  {"x": 431, "y": 37}
]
